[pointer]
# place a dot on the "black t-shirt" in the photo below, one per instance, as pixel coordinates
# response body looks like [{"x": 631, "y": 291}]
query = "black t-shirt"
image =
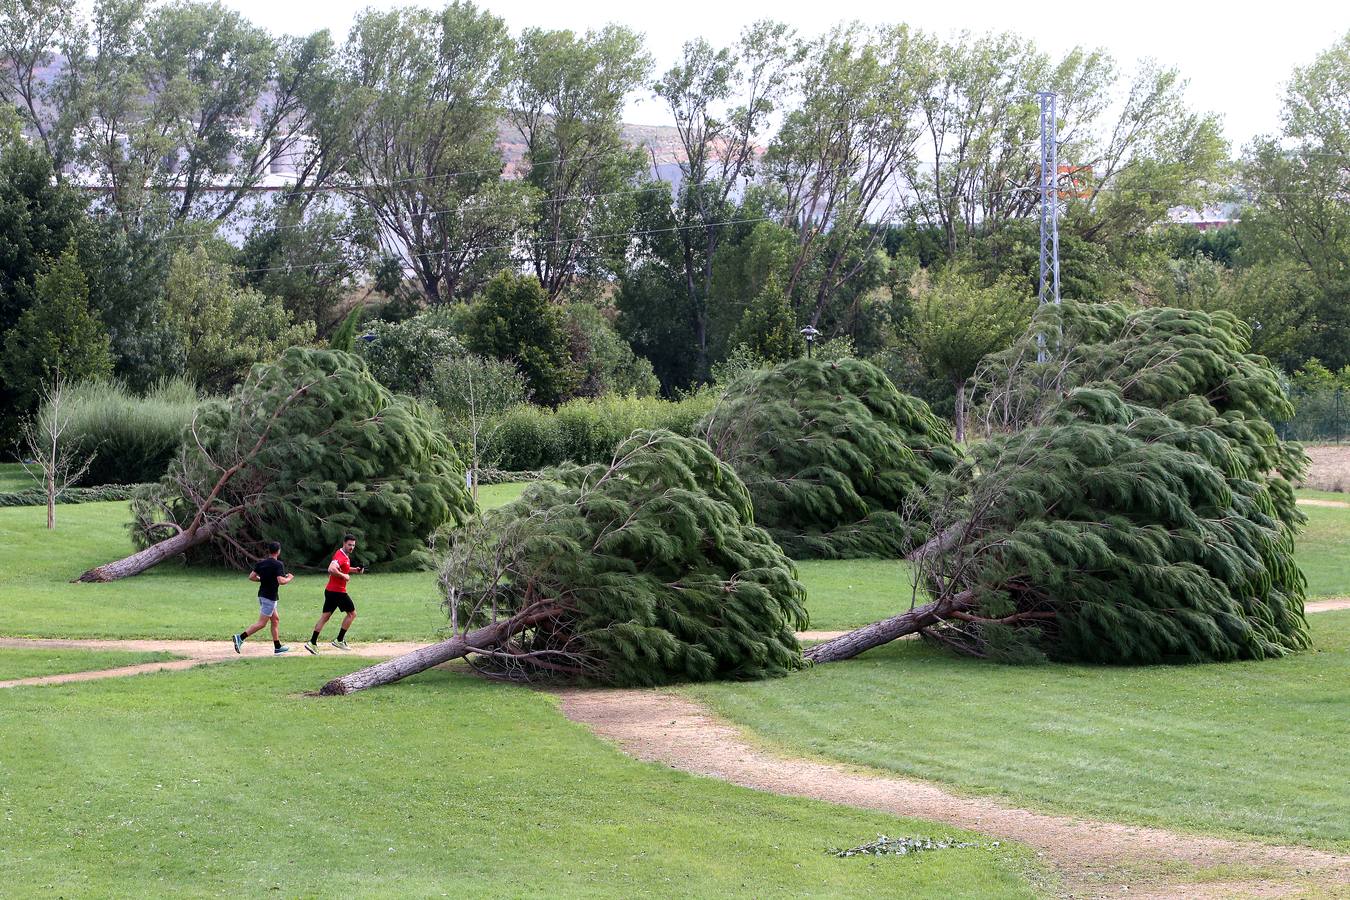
[{"x": 269, "y": 570}]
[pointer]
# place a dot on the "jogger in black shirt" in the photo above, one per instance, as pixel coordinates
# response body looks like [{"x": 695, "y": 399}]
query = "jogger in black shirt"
[{"x": 270, "y": 573}]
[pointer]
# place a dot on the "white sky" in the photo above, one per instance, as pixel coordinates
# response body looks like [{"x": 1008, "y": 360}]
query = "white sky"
[{"x": 1236, "y": 54}]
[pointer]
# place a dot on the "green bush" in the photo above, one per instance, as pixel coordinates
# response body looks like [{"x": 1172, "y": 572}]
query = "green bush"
[
  {"x": 36, "y": 497},
  {"x": 585, "y": 430},
  {"x": 131, "y": 437}
]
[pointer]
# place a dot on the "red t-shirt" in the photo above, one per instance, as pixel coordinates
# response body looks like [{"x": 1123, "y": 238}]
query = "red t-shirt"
[{"x": 345, "y": 567}]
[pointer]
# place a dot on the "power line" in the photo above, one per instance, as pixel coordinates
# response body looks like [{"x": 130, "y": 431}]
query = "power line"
[{"x": 513, "y": 245}]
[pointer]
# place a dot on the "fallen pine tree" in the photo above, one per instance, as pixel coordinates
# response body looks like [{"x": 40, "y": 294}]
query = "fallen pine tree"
[
  {"x": 309, "y": 447},
  {"x": 831, "y": 453},
  {"x": 1141, "y": 511},
  {"x": 642, "y": 571}
]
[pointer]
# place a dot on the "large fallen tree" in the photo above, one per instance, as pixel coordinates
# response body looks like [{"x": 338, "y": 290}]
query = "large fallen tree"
[
  {"x": 309, "y": 447},
  {"x": 643, "y": 571},
  {"x": 1141, "y": 512},
  {"x": 831, "y": 453}
]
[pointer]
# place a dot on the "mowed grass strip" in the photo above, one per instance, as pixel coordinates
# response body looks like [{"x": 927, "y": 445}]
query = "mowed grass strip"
[
  {"x": 14, "y": 478},
  {"x": 228, "y": 780},
  {"x": 36, "y": 663},
  {"x": 1256, "y": 748},
  {"x": 1323, "y": 551},
  {"x": 172, "y": 601}
]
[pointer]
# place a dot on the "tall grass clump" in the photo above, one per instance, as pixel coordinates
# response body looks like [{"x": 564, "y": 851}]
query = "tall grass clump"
[
  {"x": 585, "y": 431},
  {"x": 132, "y": 437}
]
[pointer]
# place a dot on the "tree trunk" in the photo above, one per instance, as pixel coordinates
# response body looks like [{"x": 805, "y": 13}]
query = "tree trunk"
[
  {"x": 151, "y": 556},
  {"x": 424, "y": 658},
  {"x": 51, "y": 503},
  {"x": 961, "y": 412},
  {"x": 939, "y": 543},
  {"x": 863, "y": 639}
]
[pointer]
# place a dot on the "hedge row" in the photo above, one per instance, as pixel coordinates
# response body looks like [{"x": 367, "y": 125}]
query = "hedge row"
[
  {"x": 582, "y": 431},
  {"x": 100, "y": 494}
]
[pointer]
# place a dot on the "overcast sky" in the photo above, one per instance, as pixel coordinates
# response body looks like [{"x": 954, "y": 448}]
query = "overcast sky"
[{"x": 1237, "y": 56}]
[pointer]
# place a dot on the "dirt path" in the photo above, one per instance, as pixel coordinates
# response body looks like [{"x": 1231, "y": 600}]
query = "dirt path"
[
  {"x": 196, "y": 653},
  {"x": 1094, "y": 858},
  {"x": 1333, "y": 504}
]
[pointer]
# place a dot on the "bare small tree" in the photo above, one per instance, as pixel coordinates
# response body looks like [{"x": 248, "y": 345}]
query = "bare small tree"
[
  {"x": 474, "y": 391},
  {"x": 52, "y": 460}
]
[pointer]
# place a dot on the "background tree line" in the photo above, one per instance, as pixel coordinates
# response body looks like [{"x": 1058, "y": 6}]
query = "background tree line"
[{"x": 876, "y": 182}]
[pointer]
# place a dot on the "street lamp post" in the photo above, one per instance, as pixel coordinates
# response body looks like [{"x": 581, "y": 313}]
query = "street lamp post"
[{"x": 810, "y": 333}]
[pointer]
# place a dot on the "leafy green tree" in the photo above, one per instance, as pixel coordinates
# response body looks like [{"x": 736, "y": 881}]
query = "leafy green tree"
[
  {"x": 957, "y": 322},
  {"x": 513, "y": 320},
  {"x": 309, "y": 256},
  {"x": 39, "y": 219},
  {"x": 405, "y": 356},
  {"x": 425, "y": 91},
  {"x": 307, "y": 448},
  {"x": 831, "y": 452},
  {"x": 768, "y": 327},
  {"x": 605, "y": 361},
  {"x": 744, "y": 265},
  {"x": 721, "y": 100},
  {"x": 58, "y": 337},
  {"x": 645, "y": 570},
  {"x": 127, "y": 270},
  {"x": 837, "y": 156},
  {"x": 473, "y": 393},
  {"x": 1299, "y": 215},
  {"x": 221, "y": 329},
  {"x": 566, "y": 99}
]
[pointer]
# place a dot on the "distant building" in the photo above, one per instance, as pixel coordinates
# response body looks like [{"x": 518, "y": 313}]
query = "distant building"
[{"x": 1217, "y": 216}]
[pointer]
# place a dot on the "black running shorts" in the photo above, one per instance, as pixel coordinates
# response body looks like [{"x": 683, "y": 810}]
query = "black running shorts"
[{"x": 333, "y": 600}]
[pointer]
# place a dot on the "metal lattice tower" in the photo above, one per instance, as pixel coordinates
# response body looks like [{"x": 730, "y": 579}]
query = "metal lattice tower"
[{"x": 1049, "y": 283}]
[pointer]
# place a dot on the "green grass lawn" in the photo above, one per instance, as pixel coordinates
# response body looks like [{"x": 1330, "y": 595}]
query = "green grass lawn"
[
  {"x": 1323, "y": 551},
  {"x": 35, "y": 663},
  {"x": 14, "y": 478},
  {"x": 846, "y": 593},
  {"x": 1255, "y": 747},
  {"x": 171, "y": 601},
  {"x": 228, "y": 780}
]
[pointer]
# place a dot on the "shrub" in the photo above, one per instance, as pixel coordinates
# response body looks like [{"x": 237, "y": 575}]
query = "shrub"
[
  {"x": 38, "y": 497},
  {"x": 586, "y": 431},
  {"x": 131, "y": 437}
]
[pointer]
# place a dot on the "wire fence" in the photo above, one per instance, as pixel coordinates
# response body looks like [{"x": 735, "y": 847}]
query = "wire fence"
[{"x": 1320, "y": 416}]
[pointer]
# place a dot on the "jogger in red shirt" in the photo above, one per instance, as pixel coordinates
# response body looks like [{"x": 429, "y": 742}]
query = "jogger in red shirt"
[{"x": 335, "y": 596}]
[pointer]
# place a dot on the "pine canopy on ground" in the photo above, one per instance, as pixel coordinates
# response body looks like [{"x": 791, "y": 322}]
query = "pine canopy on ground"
[
  {"x": 1144, "y": 512},
  {"x": 323, "y": 449},
  {"x": 830, "y": 452},
  {"x": 645, "y": 570}
]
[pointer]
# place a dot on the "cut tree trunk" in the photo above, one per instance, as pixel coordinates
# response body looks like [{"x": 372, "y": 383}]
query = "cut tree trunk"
[
  {"x": 400, "y": 667},
  {"x": 151, "y": 556},
  {"x": 849, "y": 645}
]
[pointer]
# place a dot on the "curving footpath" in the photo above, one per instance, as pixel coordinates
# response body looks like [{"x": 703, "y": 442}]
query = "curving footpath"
[{"x": 1093, "y": 858}]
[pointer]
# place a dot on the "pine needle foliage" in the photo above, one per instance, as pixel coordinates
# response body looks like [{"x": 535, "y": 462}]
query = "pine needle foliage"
[
  {"x": 831, "y": 452},
  {"x": 644, "y": 570},
  {"x": 321, "y": 449},
  {"x": 1144, "y": 510}
]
